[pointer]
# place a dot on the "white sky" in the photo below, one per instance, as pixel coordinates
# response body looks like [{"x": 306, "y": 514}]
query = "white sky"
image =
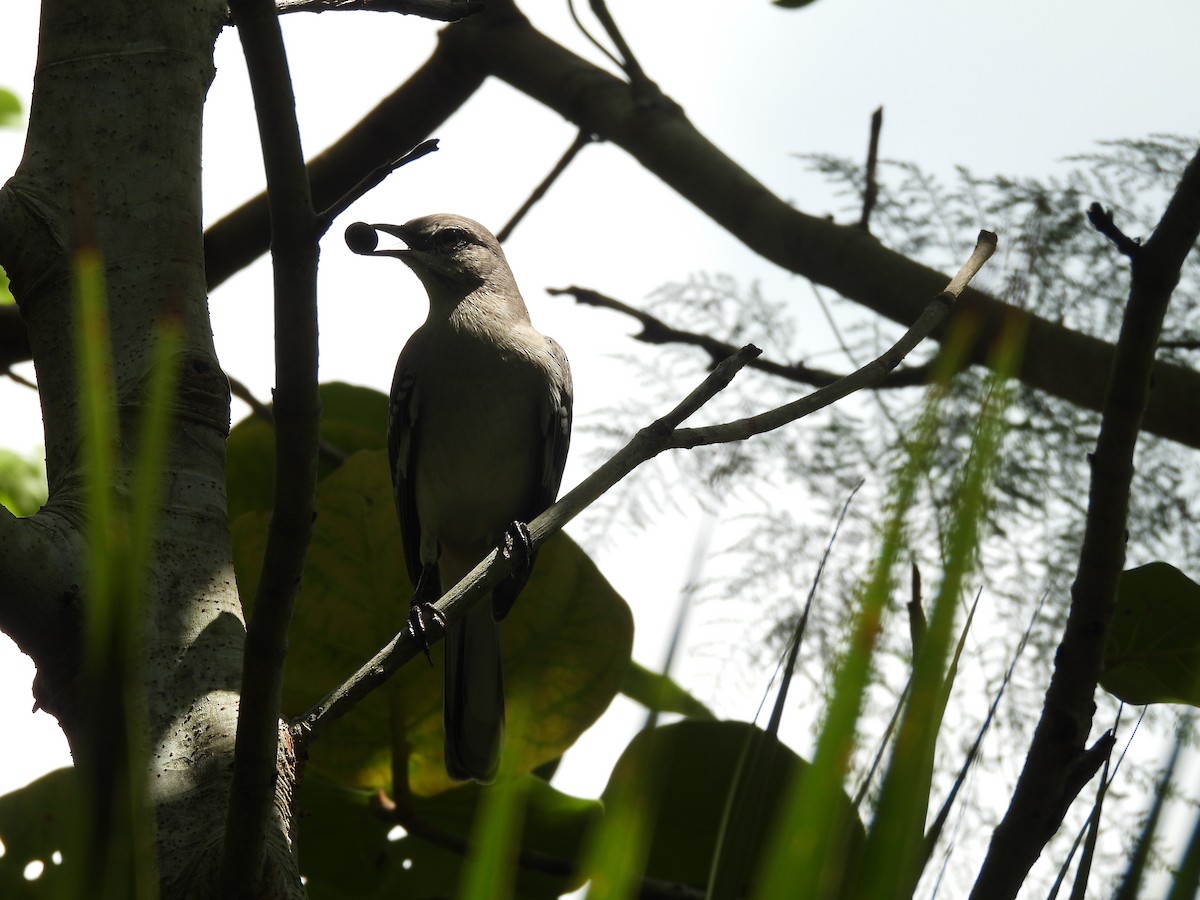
[{"x": 1009, "y": 88}]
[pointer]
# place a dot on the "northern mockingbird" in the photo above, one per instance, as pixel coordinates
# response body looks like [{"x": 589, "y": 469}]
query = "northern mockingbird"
[{"x": 478, "y": 428}]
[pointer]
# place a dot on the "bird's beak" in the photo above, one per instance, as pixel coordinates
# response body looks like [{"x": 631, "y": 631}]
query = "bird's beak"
[
  {"x": 396, "y": 231},
  {"x": 364, "y": 240}
]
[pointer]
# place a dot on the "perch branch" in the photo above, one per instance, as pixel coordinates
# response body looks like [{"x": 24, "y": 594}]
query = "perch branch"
[
  {"x": 663, "y": 434},
  {"x": 1059, "y": 763}
]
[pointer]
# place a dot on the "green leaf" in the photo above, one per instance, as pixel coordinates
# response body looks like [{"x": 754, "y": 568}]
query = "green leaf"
[
  {"x": 1153, "y": 649},
  {"x": 345, "y": 850},
  {"x": 10, "y": 109},
  {"x": 686, "y": 770},
  {"x": 6, "y": 296},
  {"x": 659, "y": 693},
  {"x": 352, "y": 418},
  {"x": 37, "y": 821},
  {"x": 566, "y": 643},
  {"x": 22, "y": 483}
]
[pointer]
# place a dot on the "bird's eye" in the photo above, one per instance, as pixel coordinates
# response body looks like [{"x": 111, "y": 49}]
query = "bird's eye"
[{"x": 449, "y": 240}]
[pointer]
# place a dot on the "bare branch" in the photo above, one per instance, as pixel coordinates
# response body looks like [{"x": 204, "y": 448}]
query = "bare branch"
[
  {"x": 871, "y": 188},
  {"x": 581, "y": 140},
  {"x": 656, "y": 331},
  {"x": 1102, "y": 221}
]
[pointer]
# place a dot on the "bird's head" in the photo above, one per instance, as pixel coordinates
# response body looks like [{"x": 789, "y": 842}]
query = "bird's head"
[{"x": 452, "y": 255}]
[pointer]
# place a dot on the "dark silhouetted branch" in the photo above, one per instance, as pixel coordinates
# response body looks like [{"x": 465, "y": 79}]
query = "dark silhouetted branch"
[
  {"x": 1059, "y": 762},
  {"x": 871, "y": 188}
]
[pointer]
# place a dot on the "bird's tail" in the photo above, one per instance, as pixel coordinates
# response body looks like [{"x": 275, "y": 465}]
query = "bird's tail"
[{"x": 474, "y": 706}]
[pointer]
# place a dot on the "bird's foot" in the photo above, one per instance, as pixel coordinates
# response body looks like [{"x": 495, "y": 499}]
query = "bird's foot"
[
  {"x": 517, "y": 545},
  {"x": 417, "y": 628}
]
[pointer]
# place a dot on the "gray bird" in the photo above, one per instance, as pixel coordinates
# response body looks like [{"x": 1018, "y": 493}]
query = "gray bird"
[{"x": 478, "y": 428}]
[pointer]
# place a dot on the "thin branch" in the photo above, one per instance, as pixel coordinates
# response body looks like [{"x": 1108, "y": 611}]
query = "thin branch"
[
  {"x": 656, "y": 331},
  {"x": 582, "y": 139},
  {"x": 629, "y": 63},
  {"x": 1058, "y": 765},
  {"x": 663, "y": 434},
  {"x": 1102, "y": 221},
  {"x": 437, "y": 10},
  {"x": 19, "y": 379},
  {"x": 1181, "y": 344},
  {"x": 583, "y": 29},
  {"x": 297, "y": 413},
  {"x": 373, "y": 180},
  {"x": 871, "y": 189}
]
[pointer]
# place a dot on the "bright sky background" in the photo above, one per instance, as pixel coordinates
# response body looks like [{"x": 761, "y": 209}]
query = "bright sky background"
[{"x": 1001, "y": 88}]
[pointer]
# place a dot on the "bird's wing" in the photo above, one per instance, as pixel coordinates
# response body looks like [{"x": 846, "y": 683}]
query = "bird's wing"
[
  {"x": 556, "y": 427},
  {"x": 402, "y": 417},
  {"x": 555, "y": 417}
]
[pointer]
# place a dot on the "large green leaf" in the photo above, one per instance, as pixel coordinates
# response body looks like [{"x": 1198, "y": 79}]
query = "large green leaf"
[
  {"x": 686, "y": 770},
  {"x": 36, "y": 823},
  {"x": 22, "y": 483},
  {"x": 352, "y": 418},
  {"x": 660, "y": 694},
  {"x": 10, "y": 109},
  {"x": 566, "y": 643},
  {"x": 1153, "y": 649}
]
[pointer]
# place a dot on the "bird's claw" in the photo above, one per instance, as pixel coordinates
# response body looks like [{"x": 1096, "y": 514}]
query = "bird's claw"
[
  {"x": 417, "y": 627},
  {"x": 517, "y": 544}
]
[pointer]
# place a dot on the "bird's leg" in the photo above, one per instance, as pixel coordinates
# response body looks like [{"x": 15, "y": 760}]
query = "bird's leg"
[{"x": 421, "y": 606}]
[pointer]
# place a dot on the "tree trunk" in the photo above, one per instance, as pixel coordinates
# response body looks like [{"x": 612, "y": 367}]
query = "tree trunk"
[{"x": 112, "y": 162}]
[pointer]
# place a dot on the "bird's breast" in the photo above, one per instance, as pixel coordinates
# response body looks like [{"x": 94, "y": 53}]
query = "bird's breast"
[{"x": 478, "y": 448}]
